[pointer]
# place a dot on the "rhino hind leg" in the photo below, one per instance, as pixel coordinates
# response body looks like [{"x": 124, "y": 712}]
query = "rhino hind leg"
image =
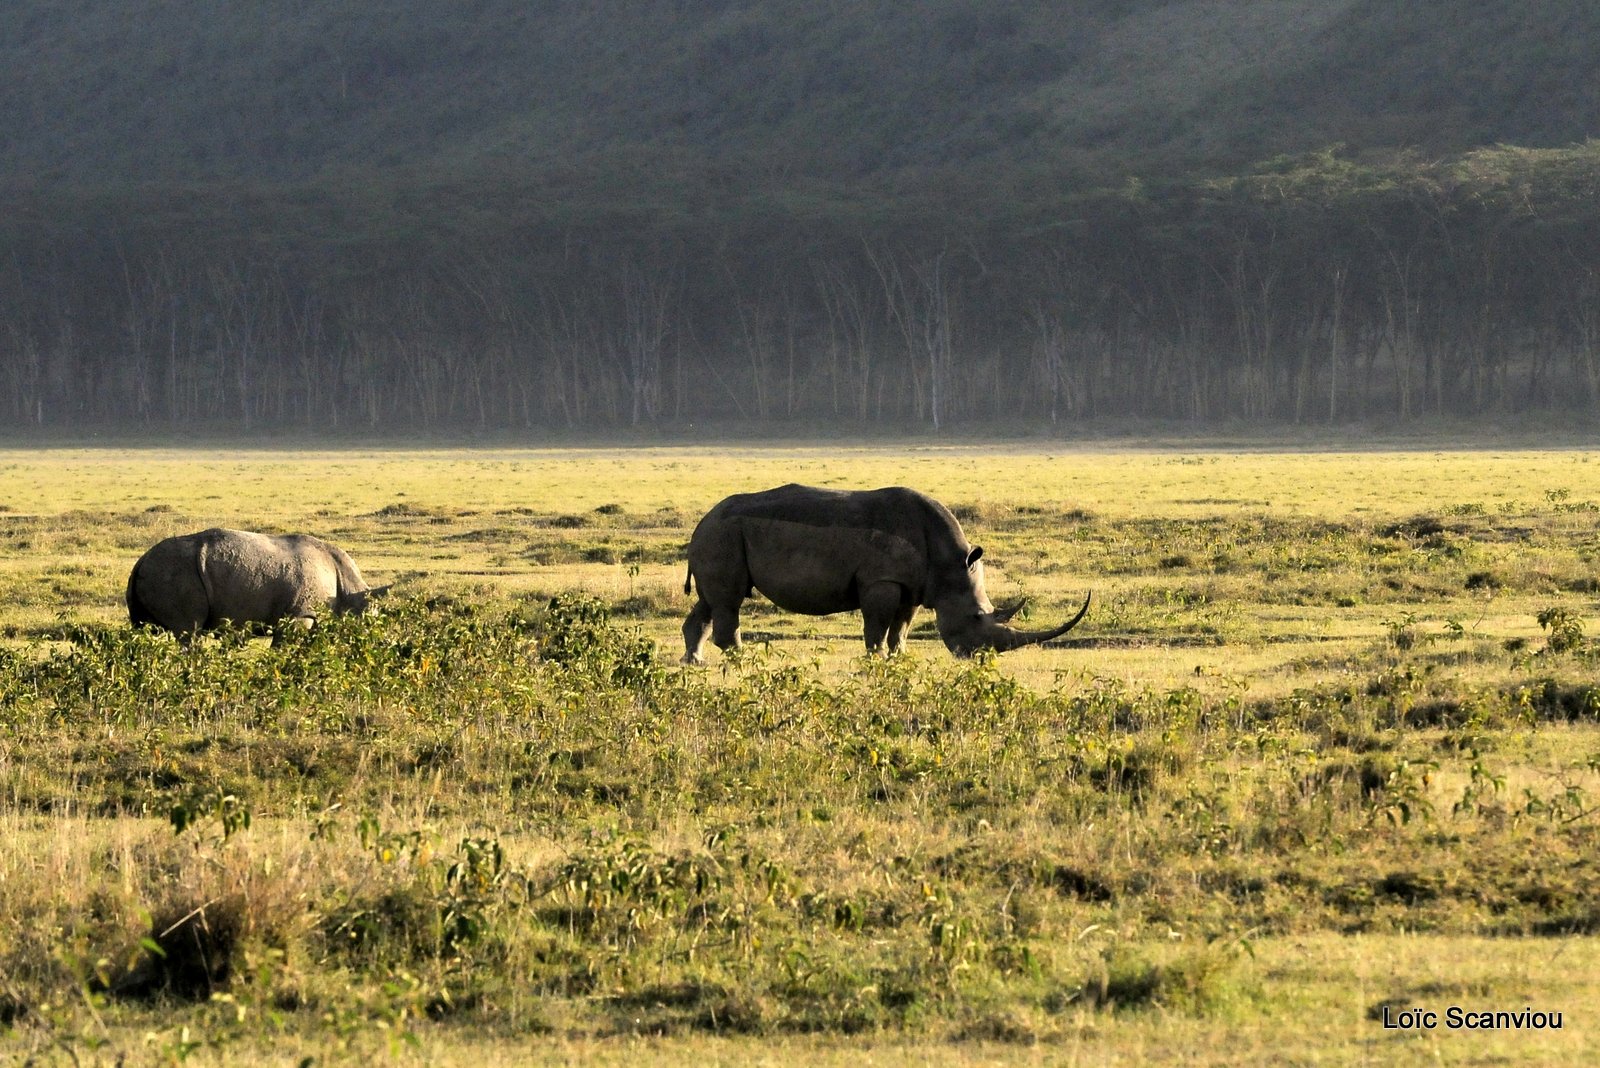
[
  {"x": 725, "y": 628},
  {"x": 174, "y": 601},
  {"x": 721, "y": 621},
  {"x": 695, "y": 628}
]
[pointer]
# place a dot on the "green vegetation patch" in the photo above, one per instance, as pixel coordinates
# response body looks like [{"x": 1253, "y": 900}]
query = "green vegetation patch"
[{"x": 476, "y": 815}]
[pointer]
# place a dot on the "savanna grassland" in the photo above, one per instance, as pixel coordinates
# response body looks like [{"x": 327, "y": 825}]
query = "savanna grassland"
[{"x": 1325, "y": 746}]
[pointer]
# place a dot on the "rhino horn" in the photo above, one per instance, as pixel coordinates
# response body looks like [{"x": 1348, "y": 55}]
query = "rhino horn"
[{"x": 1001, "y": 638}]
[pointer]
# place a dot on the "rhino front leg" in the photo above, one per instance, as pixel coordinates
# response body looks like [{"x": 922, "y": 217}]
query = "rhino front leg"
[
  {"x": 695, "y": 629},
  {"x": 902, "y": 626},
  {"x": 881, "y": 607},
  {"x": 288, "y": 625}
]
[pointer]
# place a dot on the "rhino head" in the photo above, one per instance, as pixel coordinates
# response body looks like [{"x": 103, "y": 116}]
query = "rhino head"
[
  {"x": 358, "y": 601},
  {"x": 968, "y": 621}
]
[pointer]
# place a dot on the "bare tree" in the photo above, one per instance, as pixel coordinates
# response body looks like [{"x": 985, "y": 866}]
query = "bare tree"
[
  {"x": 917, "y": 300},
  {"x": 646, "y": 297}
]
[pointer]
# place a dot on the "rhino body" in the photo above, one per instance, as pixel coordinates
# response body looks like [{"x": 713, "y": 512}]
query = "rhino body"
[
  {"x": 886, "y": 552},
  {"x": 195, "y": 582}
]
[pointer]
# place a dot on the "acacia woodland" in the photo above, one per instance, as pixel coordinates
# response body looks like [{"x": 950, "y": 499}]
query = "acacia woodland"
[{"x": 1313, "y": 289}]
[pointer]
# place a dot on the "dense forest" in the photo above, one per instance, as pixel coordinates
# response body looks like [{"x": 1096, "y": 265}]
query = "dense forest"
[{"x": 379, "y": 217}]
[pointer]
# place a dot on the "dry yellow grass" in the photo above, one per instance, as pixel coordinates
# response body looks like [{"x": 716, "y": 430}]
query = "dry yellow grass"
[
  {"x": 213, "y": 485},
  {"x": 1184, "y": 600},
  {"x": 474, "y": 512}
]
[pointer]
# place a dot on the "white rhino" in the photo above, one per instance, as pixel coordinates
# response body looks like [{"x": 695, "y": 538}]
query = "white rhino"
[
  {"x": 885, "y": 552},
  {"x": 194, "y": 582}
]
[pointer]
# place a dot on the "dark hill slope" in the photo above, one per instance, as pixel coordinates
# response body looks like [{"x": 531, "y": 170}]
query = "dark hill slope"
[
  {"x": 1431, "y": 74},
  {"x": 114, "y": 90}
]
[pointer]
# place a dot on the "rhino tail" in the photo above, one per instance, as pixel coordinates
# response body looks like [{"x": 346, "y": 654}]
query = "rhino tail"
[{"x": 688, "y": 579}]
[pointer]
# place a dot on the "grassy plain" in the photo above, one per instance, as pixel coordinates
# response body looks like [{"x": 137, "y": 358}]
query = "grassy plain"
[{"x": 1312, "y": 754}]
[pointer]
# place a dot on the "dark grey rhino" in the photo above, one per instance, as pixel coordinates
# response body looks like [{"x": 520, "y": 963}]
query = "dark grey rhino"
[
  {"x": 820, "y": 551},
  {"x": 196, "y": 581}
]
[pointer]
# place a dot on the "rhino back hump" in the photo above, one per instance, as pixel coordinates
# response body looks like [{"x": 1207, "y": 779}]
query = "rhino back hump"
[
  {"x": 316, "y": 554},
  {"x": 260, "y": 578},
  {"x": 893, "y": 509}
]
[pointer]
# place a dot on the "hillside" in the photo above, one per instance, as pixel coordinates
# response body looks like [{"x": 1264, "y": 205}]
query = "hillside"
[
  {"x": 273, "y": 90},
  {"x": 490, "y": 214}
]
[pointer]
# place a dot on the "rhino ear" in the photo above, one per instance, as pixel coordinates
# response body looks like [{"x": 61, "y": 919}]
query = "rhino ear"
[
  {"x": 380, "y": 591},
  {"x": 975, "y": 555}
]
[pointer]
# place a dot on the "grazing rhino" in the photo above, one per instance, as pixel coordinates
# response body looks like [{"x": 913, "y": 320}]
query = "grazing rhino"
[
  {"x": 821, "y": 551},
  {"x": 196, "y": 581}
]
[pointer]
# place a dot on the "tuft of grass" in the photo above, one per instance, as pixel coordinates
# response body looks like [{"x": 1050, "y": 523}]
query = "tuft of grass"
[
  {"x": 190, "y": 953},
  {"x": 1198, "y": 981}
]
